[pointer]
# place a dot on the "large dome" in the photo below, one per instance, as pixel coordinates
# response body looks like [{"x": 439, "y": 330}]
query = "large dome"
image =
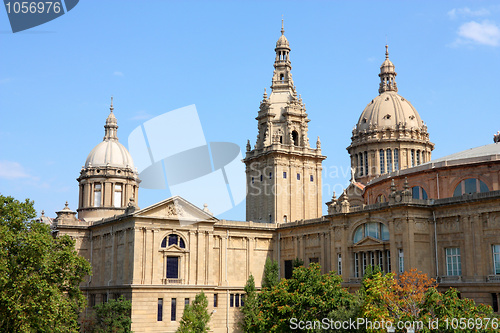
[
  {"x": 110, "y": 153},
  {"x": 389, "y": 110}
]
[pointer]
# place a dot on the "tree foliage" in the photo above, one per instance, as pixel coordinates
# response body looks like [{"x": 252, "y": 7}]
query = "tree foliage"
[
  {"x": 196, "y": 316},
  {"x": 39, "y": 274},
  {"x": 413, "y": 298},
  {"x": 113, "y": 316},
  {"x": 307, "y": 296},
  {"x": 250, "y": 310},
  {"x": 271, "y": 273}
]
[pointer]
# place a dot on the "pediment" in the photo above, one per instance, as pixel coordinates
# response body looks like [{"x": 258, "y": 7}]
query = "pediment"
[
  {"x": 176, "y": 208},
  {"x": 367, "y": 241},
  {"x": 174, "y": 248}
]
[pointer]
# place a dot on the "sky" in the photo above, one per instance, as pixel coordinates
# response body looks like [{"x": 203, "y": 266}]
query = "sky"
[{"x": 56, "y": 79}]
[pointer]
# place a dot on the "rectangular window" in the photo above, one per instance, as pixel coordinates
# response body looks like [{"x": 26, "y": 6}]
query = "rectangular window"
[
  {"x": 253, "y": 180},
  {"x": 284, "y": 174},
  {"x": 389, "y": 160},
  {"x": 372, "y": 259},
  {"x": 270, "y": 175},
  {"x": 365, "y": 262},
  {"x": 494, "y": 302},
  {"x": 237, "y": 300},
  {"x": 172, "y": 267},
  {"x": 159, "y": 316},
  {"x": 315, "y": 260},
  {"x": 418, "y": 157},
  {"x": 288, "y": 269},
  {"x": 97, "y": 195},
  {"x": 389, "y": 266},
  {"x": 104, "y": 298},
  {"x": 356, "y": 264},
  {"x": 412, "y": 157},
  {"x": 117, "y": 200},
  {"x": 173, "y": 310},
  {"x": 381, "y": 260},
  {"x": 231, "y": 300},
  {"x": 311, "y": 178},
  {"x": 366, "y": 163},
  {"x": 298, "y": 176},
  {"x": 496, "y": 259},
  {"x": 401, "y": 261},
  {"x": 186, "y": 302},
  {"x": 382, "y": 161},
  {"x": 339, "y": 264},
  {"x": 396, "y": 159},
  {"x": 92, "y": 300},
  {"x": 242, "y": 300},
  {"x": 453, "y": 262},
  {"x": 215, "y": 300}
]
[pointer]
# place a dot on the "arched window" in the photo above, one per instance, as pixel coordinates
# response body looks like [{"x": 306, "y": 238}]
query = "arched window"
[
  {"x": 366, "y": 163},
  {"x": 118, "y": 195},
  {"x": 389, "y": 160},
  {"x": 282, "y": 77},
  {"x": 173, "y": 239},
  {"x": 382, "y": 161},
  {"x": 97, "y": 195},
  {"x": 396, "y": 159},
  {"x": 469, "y": 186},
  {"x": 381, "y": 198},
  {"x": 361, "y": 164},
  {"x": 295, "y": 138},
  {"x": 371, "y": 229},
  {"x": 418, "y": 193}
]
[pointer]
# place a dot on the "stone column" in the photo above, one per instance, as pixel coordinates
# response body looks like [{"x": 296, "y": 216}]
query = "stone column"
[
  {"x": 322, "y": 259},
  {"x": 224, "y": 260}
]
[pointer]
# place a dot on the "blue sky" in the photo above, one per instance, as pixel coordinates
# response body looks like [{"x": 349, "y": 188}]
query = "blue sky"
[{"x": 155, "y": 56}]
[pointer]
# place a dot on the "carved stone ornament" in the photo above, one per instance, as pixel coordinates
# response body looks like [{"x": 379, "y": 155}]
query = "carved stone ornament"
[{"x": 174, "y": 210}]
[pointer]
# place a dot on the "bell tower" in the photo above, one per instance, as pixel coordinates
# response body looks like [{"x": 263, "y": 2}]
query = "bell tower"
[{"x": 283, "y": 171}]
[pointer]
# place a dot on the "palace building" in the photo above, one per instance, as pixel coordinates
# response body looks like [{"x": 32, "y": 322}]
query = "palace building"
[{"x": 402, "y": 210}]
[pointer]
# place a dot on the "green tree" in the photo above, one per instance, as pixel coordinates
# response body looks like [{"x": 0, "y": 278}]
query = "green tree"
[
  {"x": 442, "y": 308},
  {"x": 250, "y": 310},
  {"x": 196, "y": 317},
  {"x": 112, "y": 317},
  {"x": 39, "y": 274},
  {"x": 307, "y": 296},
  {"x": 297, "y": 262},
  {"x": 271, "y": 274}
]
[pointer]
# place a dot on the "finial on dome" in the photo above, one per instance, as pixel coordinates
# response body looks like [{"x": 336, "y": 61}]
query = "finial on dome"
[
  {"x": 265, "y": 93},
  {"x": 387, "y": 74},
  {"x": 282, "y": 25},
  {"x": 111, "y": 107}
]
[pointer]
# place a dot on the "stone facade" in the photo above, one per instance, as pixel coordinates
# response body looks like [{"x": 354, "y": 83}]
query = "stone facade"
[{"x": 441, "y": 217}]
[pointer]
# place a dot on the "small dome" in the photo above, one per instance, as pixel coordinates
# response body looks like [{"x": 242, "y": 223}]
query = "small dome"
[
  {"x": 389, "y": 110},
  {"x": 110, "y": 153},
  {"x": 387, "y": 67},
  {"x": 282, "y": 42}
]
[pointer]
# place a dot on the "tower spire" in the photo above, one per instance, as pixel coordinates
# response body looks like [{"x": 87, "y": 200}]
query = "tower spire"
[
  {"x": 387, "y": 74},
  {"x": 282, "y": 26},
  {"x": 111, "y": 125}
]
